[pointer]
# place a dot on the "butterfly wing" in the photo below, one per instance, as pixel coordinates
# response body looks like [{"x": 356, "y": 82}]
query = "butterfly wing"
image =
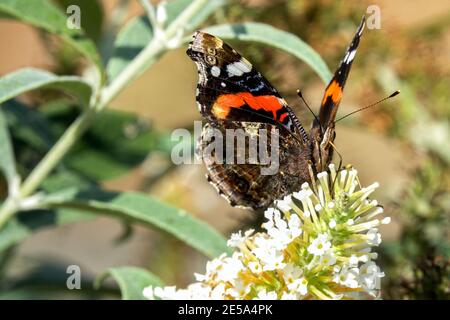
[
  {"x": 245, "y": 184},
  {"x": 334, "y": 90},
  {"x": 233, "y": 95},
  {"x": 230, "y": 88}
]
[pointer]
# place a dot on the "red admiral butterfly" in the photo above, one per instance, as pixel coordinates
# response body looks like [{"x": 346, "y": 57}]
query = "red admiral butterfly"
[{"x": 232, "y": 94}]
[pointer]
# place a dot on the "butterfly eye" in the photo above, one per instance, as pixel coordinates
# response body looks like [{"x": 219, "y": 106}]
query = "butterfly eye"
[
  {"x": 210, "y": 59},
  {"x": 211, "y": 51}
]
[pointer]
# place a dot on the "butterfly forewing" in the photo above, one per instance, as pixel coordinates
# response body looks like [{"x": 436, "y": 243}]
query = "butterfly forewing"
[{"x": 233, "y": 95}]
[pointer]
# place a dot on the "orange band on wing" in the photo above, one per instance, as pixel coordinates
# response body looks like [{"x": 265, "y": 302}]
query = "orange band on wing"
[
  {"x": 334, "y": 91},
  {"x": 225, "y": 102},
  {"x": 283, "y": 116}
]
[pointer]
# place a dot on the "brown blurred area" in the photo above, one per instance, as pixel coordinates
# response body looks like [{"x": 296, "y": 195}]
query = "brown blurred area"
[{"x": 165, "y": 95}]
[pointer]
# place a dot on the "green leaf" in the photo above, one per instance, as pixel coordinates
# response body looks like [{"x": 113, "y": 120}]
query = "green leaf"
[
  {"x": 27, "y": 79},
  {"x": 11, "y": 234},
  {"x": 117, "y": 141},
  {"x": 131, "y": 281},
  {"x": 141, "y": 208},
  {"x": 7, "y": 164},
  {"x": 138, "y": 33},
  {"x": 266, "y": 34},
  {"x": 43, "y": 14}
]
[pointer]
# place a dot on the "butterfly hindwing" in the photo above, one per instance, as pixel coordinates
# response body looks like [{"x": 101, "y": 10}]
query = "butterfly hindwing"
[{"x": 244, "y": 184}]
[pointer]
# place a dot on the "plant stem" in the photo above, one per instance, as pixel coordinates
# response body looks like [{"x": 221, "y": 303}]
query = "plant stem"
[
  {"x": 8, "y": 209},
  {"x": 47, "y": 164}
]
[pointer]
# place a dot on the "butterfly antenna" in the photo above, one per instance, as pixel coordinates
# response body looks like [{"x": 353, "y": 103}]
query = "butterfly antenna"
[
  {"x": 370, "y": 105},
  {"x": 300, "y": 95}
]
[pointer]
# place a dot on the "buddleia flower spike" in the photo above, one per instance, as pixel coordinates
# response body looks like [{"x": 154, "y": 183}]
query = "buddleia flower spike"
[{"x": 316, "y": 243}]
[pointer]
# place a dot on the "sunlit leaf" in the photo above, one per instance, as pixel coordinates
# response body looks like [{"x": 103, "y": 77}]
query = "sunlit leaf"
[
  {"x": 146, "y": 210},
  {"x": 23, "y": 80},
  {"x": 266, "y": 34}
]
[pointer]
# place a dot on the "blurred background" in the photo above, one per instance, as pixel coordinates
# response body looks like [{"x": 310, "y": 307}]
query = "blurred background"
[{"x": 404, "y": 144}]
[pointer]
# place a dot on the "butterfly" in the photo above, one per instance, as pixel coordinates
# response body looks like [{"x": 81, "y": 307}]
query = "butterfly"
[{"x": 233, "y": 95}]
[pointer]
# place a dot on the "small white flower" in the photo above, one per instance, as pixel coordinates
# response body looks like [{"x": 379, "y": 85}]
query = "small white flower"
[
  {"x": 299, "y": 286},
  {"x": 332, "y": 224},
  {"x": 197, "y": 291},
  {"x": 353, "y": 260},
  {"x": 291, "y": 272},
  {"x": 289, "y": 296},
  {"x": 239, "y": 289},
  {"x": 264, "y": 295},
  {"x": 230, "y": 268},
  {"x": 166, "y": 293},
  {"x": 347, "y": 277},
  {"x": 238, "y": 239},
  {"x": 328, "y": 259},
  {"x": 285, "y": 204},
  {"x": 270, "y": 259},
  {"x": 319, "y": 245},
  {"x": 370, "y": 275},
  {"x": 283, "y": 233},
  {"x": 386, "y": 220},
  {"x": 148, "y": 293},
  {"x": 373, "y": 237},
  {"x": 218, "y": 292}
]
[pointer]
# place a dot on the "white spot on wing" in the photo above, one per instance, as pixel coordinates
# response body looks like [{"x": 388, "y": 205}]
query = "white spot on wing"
[
  {"x": 244, "y": 65},
  {"x": 215, "y": 71},
  {"x": 238, "y": 68},
  {"x": 349, "y": 58},
  {"x": 234, "y": 71},
  {"x": 346, "y": 56},
  {"x": 223, "y": 84}
]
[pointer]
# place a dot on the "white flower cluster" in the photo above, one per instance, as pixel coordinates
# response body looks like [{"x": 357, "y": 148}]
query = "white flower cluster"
[{"x": 317, "y": 244}]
